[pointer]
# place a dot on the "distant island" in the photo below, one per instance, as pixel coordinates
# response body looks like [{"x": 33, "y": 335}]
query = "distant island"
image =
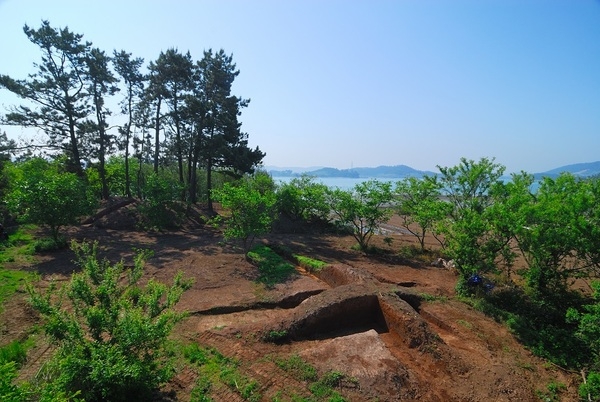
[
  {"x": 578, "y": 169},
  {"x": 380, "y": 172},
  {"x": 402, "y": 171}
]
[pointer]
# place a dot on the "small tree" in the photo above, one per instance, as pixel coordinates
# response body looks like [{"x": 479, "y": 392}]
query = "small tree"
[
  {"x": 251, "y": 206},
  {"x": 559, "y": 237},
  {"x": 303, "y": 199},
  {"x": 112, "y": 334},
  {"x": 471, "y": 236},
  {"x": 42, "y": 195},
  {"x": 419, "y": 204},
  {"x": 363, "y": 209}
]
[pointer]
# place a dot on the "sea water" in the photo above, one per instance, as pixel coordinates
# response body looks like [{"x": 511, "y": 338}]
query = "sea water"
[{"x": 343, "y": 183}]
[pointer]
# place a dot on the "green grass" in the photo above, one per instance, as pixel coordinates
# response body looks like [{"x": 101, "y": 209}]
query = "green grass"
[
  {"x": 272, "y": 267},
  {"x": 10, "y": 282},
  {"x": 309, "y": 264},
  {"x": 215, "y": 371},
  {"x": 298, "y": 368},
  {"x": 16, "y": 351},
  {"x": 20, "y": 245},
  {"x": 321, "y": 388},
  {"x": 433, "y": 298},
  {"x": 18, "y": 249}
]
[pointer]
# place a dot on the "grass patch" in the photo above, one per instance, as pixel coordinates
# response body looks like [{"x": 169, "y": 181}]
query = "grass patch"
[
  {"x": 310, "y": 264},
  {"x": 322, "y": 387},
  {"x": 272, "y": 267},
  {"x": 11, "y": 281},
  {"x": 414, "y": 252},
  {"x": 16, "y": 352},
  {"x": 18, "y": 249},
  {"x": 276, "y": 336},
  {"x": 298, "y": 368},
  {"x": 215, "y": 371},
  {"x": 433, "y": 298}
]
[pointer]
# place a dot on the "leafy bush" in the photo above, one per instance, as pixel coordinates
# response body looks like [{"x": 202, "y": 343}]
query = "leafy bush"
[
  {"x": 43, "y": 195},
  {"x": 473, "y": 240},
  {"x": 303, "y": 199},
  {"x": 10, "y": 392},
  {"x": 160, "y": 207},
  {"x": 590, "y": 390},
  {"x": 251, "y": 209},
  {"x": 419, "y": 206},
  {"x": 112, "y": 334},
  {"x": 276, "y": 336},
  {"x": 49, "y": 244}
]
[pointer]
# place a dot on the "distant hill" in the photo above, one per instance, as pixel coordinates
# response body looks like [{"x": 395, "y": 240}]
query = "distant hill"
[
  {"x": 380, "y": 172},
  {"x": 403, "y": 171},
  {"x": 392, "y": 172},
  {"x": 577, "y": 169}
]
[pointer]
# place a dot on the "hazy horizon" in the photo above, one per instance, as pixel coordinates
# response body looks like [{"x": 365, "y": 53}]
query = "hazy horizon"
[
  {"x": 342, "y": 83},
  {"x": 310, "y": 168}
]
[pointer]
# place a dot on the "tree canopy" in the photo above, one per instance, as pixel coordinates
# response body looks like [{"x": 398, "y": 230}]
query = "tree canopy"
[{"x": 176, "y": 112}]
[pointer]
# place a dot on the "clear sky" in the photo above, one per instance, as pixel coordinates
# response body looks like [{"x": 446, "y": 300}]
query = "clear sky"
[{"x": 345, "y": 83}]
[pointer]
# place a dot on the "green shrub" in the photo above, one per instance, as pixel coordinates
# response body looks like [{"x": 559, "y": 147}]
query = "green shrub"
[
  {"x": 160, "y": 207},
  {"x": 9, "y": 392},
  {"x": 363, "y": 209},
  {"x": 276, "y": 336},
  {"x": 591, "y": 388},
  {"x": 42, "y": 194},
  {"x": 47, "y": 244},
  {"x": 251, "y": 209},
  {"x": 303, "y": 199},
  {"x": 112, "y": 342}
]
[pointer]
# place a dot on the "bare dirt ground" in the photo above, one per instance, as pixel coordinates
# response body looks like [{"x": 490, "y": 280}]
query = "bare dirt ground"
[{"x": 364, "y": 316}]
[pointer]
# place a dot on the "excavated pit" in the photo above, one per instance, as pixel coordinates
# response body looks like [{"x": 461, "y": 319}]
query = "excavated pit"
[
  {"x": 357, "y": 303},
  {"x": 349, "y": 316}
]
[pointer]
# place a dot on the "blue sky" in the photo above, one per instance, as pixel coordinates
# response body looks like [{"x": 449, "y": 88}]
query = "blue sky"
[{"x": 345, "y": 83}]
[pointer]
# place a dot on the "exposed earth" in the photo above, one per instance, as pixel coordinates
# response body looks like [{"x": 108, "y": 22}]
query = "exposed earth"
[{"x": 392, "y": 325}]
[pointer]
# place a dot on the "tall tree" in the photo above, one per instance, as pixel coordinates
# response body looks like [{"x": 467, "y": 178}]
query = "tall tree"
[
  {"x": 56, "y": 89},
  {"x": 195, "y": 115},
  {"x": 101, "y": 82},
  {"x": 176, "y": 71},
  {"x": 154, "y": 96},
  {"x": 129, "y": 70},
  {"x": 223, "y": 144}
]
